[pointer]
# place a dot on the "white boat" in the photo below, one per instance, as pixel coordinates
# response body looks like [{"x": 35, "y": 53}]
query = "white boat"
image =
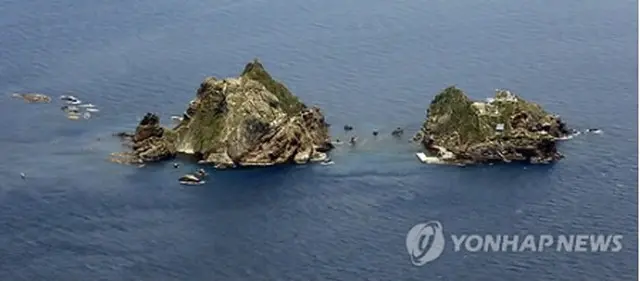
[
  {"x": 192, "y": 182},
  {"x": 92, "y": 110},
  {"x": 68, "y": 98},
  {"x": 89, "y": 105},
  {"x": 191, "y": 179},
  {"x": 70, "y": 109}
]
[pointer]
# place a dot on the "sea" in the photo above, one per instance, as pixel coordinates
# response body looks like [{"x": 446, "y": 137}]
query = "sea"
[{"x": 374, "y": 65}]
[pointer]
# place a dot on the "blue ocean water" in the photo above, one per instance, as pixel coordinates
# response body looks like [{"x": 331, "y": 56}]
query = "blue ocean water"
[{"x": 373, "y": 64}]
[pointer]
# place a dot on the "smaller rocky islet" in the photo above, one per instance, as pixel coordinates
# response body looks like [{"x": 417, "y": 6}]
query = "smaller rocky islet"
[{"x": 505, "y": 128}]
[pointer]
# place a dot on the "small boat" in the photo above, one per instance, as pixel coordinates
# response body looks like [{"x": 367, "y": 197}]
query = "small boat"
[
  {"x": 326, "y": 163},
  {"x": 88, "y": 105},
  {"x": 177, "y": 118},
  {"x": 200, "y": 182},
  {"x": 193, "y": 179},
  {"x": 92, "y": 110},
  {"x": 189, "y": 177},
  {"x": 70, "y": 109},
  {"x": 68, "y": 98},
  {"x": 595, "y": 131},
  {"x": 86, "y": 115}
]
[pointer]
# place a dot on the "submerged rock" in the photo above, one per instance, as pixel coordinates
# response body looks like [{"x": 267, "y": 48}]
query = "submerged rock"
[
  {"x": 33, "y": 97},
  {"x": 503, "y": 129},
  {"x": 124, "y": 135},
  {"x": 250, "y": 120},
  {"x": 397, "y": 132}
]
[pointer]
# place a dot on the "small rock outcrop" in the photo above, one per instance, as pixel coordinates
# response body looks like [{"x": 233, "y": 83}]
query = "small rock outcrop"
[
  {"x": 397, "y": 132},
  {"x": 250, "y": 120},
  {"x": 33, "y": 97},
  {"x": 150, "y": 142},
  {"x": 505, "y": 128}
]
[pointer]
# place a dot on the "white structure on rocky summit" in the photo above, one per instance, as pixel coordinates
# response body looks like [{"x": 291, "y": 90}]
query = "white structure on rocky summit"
[{"x": 505, "y": 95}]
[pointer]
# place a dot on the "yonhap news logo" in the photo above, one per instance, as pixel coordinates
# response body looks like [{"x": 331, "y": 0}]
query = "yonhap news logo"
[{"x": 426, "y": 242}]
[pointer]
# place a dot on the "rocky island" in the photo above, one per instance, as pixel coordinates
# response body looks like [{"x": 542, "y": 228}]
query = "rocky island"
[
  {"x": 33, "y": 97},
  {"x": 250, "y": 120},
  {"x": 505, "y": 128}
]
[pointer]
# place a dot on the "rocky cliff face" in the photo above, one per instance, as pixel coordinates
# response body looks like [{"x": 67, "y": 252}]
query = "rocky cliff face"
[
  {"x": 505, "y": 128},
  {"x": 250, "y": 120}
]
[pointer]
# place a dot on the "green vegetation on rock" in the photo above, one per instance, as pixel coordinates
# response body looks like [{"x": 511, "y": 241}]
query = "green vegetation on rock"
[
  {"x": 289, "y": 103},
  {"x": 169, "y": 134},
  {"x": 453, "y": 113},
  {"x": 206, "y": 125}
]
